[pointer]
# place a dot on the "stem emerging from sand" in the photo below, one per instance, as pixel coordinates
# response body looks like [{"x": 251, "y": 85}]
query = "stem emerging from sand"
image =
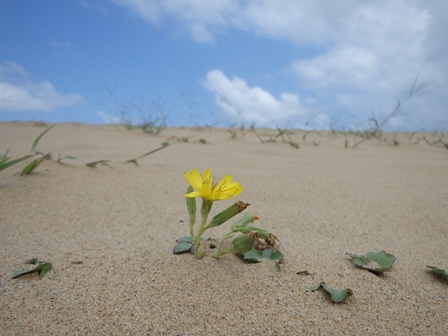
[{"x": 205, "y": 210}]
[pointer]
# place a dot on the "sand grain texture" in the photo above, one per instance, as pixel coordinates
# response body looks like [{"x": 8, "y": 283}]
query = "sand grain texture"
[{"x": 121, "y": 223}]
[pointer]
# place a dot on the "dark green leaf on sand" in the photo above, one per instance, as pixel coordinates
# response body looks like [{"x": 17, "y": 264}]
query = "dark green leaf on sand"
[
  {"x": 185, "y": 244},
  {"x": 182, "y": 248},
  {"x": 336, "y": 295},
  {"x": 272, "y": 254},
  {"x": 254, "y": 256},
  {"x": 375, "y": 262},
  {"x": 186, "y": 239},
  {"x": 33, "y": 261}
]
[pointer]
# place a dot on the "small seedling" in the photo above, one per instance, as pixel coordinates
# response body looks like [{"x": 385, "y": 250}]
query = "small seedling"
[
  {"x": 375, "y": 262},
  {"x": 336, "y": 295},
  {"x": 42, "y": 268}
]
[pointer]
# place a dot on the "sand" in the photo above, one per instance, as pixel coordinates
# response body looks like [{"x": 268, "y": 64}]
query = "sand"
[{"x": 109, "y": 234}]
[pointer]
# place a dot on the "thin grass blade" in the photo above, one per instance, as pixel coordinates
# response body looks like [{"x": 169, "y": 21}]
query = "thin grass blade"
[
  {"x": 5, "y": 165},
  {"x": 29, "y": 168},
  {"x": 38, "y": 139}
]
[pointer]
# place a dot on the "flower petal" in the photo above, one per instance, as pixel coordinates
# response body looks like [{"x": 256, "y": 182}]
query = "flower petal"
[
  {"x": 194, "y": 179},
  {"x": 193, "y": 194},
  {"x": 207, "y": 189}
]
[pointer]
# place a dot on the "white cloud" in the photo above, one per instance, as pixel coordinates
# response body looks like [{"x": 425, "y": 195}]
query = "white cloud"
[
  {"x": 345, "y": 66},
  {"x": 363, "y": 53},
  {"x": 252, "y": 104},
  {"x": 19, "y": 94},
  {"x": 200, "y": 17}
]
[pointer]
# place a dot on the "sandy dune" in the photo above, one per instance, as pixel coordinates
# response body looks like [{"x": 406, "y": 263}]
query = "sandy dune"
[{"x": 321, "y": 201}]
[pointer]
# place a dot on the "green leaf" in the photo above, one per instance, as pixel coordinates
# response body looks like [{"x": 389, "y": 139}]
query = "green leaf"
[
  {"x": 336, "y": 295},
  {"x": 4, "y": 164},
  {"x": 38, "y": 139},
  {"x": 42, "y": 268},
  {"x": 67, "y": 157},
  {"x": 376, "y": 262},
  {"x": 46, "y": 267},
  {"x": 277, "y": 266},
  {"x": 191, "y": 205},
  {"x": 29, "y": 168},
  {"x": 185, "y": 244},
  {"x": 272, "y": 254},
  {"x": 4, "y": 157},
  {"x": 33, "y": 261},
  {"x": 182, "y": 247},
  {"x": 186, "y": 239},
  {"x": 439, "y": 271},
  {"x": 101, "y": 162},
  {"x": 253, "y": 255}
]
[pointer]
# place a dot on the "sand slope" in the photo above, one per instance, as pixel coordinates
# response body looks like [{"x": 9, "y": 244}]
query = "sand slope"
[{"x": 320, "y": 201}]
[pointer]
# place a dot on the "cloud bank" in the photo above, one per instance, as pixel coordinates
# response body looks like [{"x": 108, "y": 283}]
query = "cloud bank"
[
  {"x": 240, "y": 102},
  {"x": 19, "y": 94},
  {"x": 365, "y": 55}
]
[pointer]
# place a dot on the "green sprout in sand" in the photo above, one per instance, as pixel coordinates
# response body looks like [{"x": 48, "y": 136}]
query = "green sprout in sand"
[{"x": 204, "y": 186}]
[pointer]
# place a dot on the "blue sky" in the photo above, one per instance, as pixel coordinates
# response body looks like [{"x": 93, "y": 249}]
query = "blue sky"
[{"x": 289, "y": 63}]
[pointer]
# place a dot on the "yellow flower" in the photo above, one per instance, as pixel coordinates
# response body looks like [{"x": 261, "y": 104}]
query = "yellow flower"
[{"x": 208, "y": 189}]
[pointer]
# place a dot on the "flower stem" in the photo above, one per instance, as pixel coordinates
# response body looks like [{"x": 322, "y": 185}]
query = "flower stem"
[
  {"x": 218, "y": 252},
  {"x": 205, "y": 210}
]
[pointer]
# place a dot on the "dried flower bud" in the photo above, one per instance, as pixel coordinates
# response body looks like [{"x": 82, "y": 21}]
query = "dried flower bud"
[{"x": 228, "y": 213}]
